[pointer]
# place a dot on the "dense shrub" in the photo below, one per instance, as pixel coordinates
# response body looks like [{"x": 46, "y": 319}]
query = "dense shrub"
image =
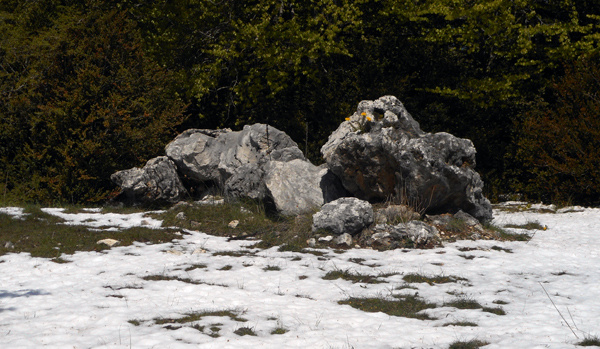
[
  {"x": 560, "y": 141},
  {"x": 80, "y": 101}
]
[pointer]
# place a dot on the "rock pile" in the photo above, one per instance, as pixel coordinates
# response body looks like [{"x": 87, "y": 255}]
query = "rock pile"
[{"x": 379, "y": 152}]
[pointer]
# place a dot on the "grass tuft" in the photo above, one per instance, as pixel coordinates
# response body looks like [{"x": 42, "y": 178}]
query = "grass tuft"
[
  {"x": 406, "y": 306},
  {"x": 431, "y": 280},
  {"x": 245, "y": 331},
  {"x": 279, "y": 330},
  {"x": 472, "y": 344},
  {"x": 461, "y": 323},
  {"x": 355, "y": 277},
  {"x": 590, "y": 341},
  {"x": 468, "y": 303},
  {"x": 197, "y": 316},
  {"x": 533, "y": 225}
]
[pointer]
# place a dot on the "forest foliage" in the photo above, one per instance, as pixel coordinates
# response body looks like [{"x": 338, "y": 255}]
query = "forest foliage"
[{"x": 91, "y": 87}]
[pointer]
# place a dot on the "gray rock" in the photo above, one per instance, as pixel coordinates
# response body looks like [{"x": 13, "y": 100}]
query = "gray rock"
[
  {"x": 294, "y": 186},
  {"x": 156, "y": 182},
  {"x": 469, "y": 220},
  {"x": 392, "y": 156},
  {"x": 344, "y": 215},
  {"x": 460, "y": 221},
  {"x": 297, "y": 186},
  {"x": 216, "y": 155},
  {"x": 260, "y": 162},
  {"x": 344, "y": 239},
  {"x": 247, "y": 181}
]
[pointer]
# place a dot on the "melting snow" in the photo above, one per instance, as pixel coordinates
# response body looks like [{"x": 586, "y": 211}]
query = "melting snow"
[{"x": 113, "y": 299}]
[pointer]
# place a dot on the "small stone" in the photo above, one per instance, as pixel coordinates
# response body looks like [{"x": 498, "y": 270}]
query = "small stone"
[
  {"x": 311, "y": 242},
  {"x": 109, "y": 242},
  {"x": 326, "y": 238},
  {"x": 234, "y": 224},
  {"x": 199, "y": 251},
  {"x": 344, "y": 239},
  {"x": 9, "y": 245},
  {"x": 180, "y": 216}
]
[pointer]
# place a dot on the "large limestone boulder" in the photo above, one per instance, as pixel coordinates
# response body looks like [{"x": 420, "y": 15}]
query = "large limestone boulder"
[
  {"x": 381, "y": 151},
  {"x": 216, "y": 155},
  {"x": 258, "y": 162},
  {"x": 346, "y": 215},
  {"x": 298, "y": 186},
  {"x": 156, "y": 182}
]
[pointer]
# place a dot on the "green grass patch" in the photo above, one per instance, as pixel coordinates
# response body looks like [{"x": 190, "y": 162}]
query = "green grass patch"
[
  {"x": 42, "y": 235},
  {"x": 234, "y": 253},
  {"x": 405, "y": 306},
  {"x": 135, "y": 322},
  {"x": 496, "y": 310},
  {"x": 180, "y": 279},
  {"x": 432, "y": 280},
  {"x": 271, "y": 268},
  {"x": 254, "y": 222},
  {"x": 505, "y": 236},
  {"x": 468, "y": 303},
  {"x": 196, "y": 266},
  {"x": 472, "y": 344},
  {"x": 245, "y": 331},
  {"x": 456, "y": 225},
  {"x": 464, "y": 303},
  {"x": 355, "y": 277},
  {"x": 279, "y": 330},
  {"x": 498, "y": 248},
  {"x": 197, "y": 316},
  {"x": 171, "y": 278}
]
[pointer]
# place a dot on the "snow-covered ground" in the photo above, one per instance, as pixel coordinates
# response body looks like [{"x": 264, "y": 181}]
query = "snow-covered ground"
[{"x": 102, "y": 300}]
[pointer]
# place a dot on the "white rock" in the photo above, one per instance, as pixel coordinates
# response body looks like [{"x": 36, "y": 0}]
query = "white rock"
[{"x": 109, "y": 242}]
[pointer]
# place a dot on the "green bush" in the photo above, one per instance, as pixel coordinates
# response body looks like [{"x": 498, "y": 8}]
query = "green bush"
[
  {"x": 80, "y": 101},
  {"x": 560, "y": 142}
]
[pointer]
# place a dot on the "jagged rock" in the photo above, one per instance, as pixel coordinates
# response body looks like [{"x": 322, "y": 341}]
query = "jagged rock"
[
  {"x": 216, "y": 155},
  {"x": 156, "y": 182},
  {"x": 344, "y": 215},
  {"x": 412, "y": 234},
  {"x": 259, "y": 162},
  {"x": 391, "y": 156}
]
